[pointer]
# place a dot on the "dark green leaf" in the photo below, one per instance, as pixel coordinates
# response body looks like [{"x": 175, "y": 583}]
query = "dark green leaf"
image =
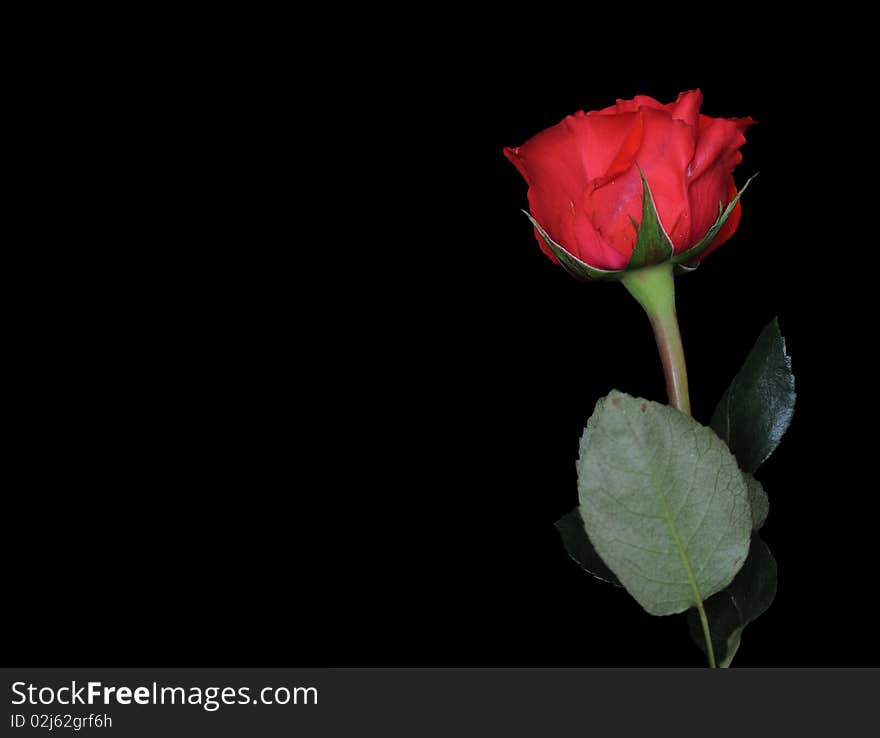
[
  {"x": 748, "y": 596},
  {"x": 652, "y": 243},
  {"x": 757, "y": 407},
  {"x": 723, "y": 214},
  {"x": 663, "y": 503},
  {"x": 574, "y": 538},
  {"x": 574, "y": 266}
]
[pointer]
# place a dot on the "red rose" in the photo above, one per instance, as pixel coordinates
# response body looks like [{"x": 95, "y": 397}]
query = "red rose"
[{"x": 586, "y": 191}]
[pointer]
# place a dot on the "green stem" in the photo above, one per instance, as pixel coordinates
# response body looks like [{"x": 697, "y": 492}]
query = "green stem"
[
  {"x": 704, "y": 621},
  {"x": 654, "y": 289}
]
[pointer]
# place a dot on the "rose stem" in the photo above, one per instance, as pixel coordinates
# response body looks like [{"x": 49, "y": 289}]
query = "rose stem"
[{"x": 654, "y": 289}]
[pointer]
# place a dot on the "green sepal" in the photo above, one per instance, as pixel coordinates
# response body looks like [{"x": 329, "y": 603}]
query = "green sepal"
[
  {"x": 723, "y": 214},
  {"x": 652, "y": 244},
  {"x": 685, "y": 268},
  {"x": 574, "y": 266}
]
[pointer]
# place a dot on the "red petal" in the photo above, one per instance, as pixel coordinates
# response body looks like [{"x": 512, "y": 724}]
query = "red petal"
[
  {"x": 558, "y": 165},
  {"x": 572, "y": 229},
  {"x": 717, "y": 154},
  {"x": 687, "y": 107},
  {"x": 718, "y": 141},
  {"x": 632, "y": 106},
  {"x": 666, "y": 147},
  {"x": 620, "y": 150}
]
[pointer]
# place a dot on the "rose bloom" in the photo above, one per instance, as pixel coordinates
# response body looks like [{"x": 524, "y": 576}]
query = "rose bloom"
[{"x": 585, "y": 189}]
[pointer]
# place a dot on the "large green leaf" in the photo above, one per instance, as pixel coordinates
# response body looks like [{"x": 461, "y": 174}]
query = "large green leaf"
[
  {"x": 729, "y": 612},
  {"x": 757, "y": 407},
  {"x": 663, "y": 503},
  {"x": 578, "y": 546}
]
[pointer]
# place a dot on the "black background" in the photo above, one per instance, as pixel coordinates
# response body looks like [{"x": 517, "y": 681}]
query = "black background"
[{"x": 298, "y": 387}]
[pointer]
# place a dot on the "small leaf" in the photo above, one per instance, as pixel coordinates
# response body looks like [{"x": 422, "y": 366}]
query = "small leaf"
[
  {"x": 578, "y": 546},
  {"x": 729, "y": 612},
  {"x": 757, "y": 407},
  {"x": 758, "y": 501},
  {"x": 663, "y": 503},
  {"x": 574, "y": 266},
  {"x": 652, "y": 243},
  {"x": 723, "y": 214}
]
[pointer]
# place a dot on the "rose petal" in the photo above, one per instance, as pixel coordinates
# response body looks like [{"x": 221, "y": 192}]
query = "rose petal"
[
  {"x": 550, "y": 158},
  {"x": 558, "y": 164},
  {"x": 572, "y": 229},
  {"x": 666, "y": 147},
  {"x": 616, "y": 141},
  {"x": 631, "y": 106},
  {"x": 718, "y": 139},
  {"x": 687, "y": 107},
  {"x": 717, "y": 153}
]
